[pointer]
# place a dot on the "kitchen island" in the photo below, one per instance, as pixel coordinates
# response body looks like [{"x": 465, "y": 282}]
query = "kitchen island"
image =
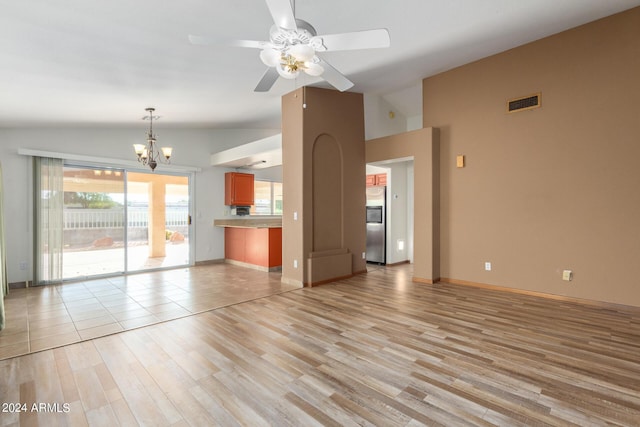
[{"x": 253, "y": 242}]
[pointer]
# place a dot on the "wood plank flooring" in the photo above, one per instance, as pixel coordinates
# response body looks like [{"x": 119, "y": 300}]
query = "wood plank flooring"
[
  {"x": 44, "y": 317},
  {"x": 375, "y": 349}
]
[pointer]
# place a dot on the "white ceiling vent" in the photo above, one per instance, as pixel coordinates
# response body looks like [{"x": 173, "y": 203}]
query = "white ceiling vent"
[{"x": 521, "y": 104}]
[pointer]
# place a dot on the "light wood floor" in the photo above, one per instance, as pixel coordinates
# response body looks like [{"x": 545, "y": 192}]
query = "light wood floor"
[
  {"x": 375, "y": 349},
  {"x": 44, "y": 317}
]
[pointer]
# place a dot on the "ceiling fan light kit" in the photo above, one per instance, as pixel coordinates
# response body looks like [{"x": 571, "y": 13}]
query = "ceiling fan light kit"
[
  {"x": 293, "y": 46},
  {"x": 289, "y": 65}
]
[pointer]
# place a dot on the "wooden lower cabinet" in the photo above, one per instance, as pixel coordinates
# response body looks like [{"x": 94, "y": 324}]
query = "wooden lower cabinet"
[
  {"x": 234, "y": 243},
  {"x": 257, "y": 246}
]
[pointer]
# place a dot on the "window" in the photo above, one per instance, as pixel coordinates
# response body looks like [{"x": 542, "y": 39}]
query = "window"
[
  {"x": 99, "y": 221},
  {"x": 267, "y": 198}
]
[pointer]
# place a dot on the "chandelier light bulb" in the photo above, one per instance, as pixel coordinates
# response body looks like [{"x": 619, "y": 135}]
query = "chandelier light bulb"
[{"x": 166, "y": 152}]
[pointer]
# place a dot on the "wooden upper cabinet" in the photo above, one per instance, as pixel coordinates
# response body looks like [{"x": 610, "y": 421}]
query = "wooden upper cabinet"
[
  {"x": 376, "y": 179},
  {"x": 238, "y": 189}
]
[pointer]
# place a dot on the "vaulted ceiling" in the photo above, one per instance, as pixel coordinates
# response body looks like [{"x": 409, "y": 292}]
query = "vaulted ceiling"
[{"x": 87, "y": 62}]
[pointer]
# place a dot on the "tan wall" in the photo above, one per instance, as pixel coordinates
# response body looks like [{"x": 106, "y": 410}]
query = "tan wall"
[
  {"x": 293, "y": 231},
  {"x": 323, "y": 171},
  {"x": 422, "y": 145},
  {"x": 547, "y": 189}
]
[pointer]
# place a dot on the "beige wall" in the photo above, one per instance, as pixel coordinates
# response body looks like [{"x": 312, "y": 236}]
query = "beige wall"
[
  {"x": 293, "y": 230},
  {"x": 323, "y": 171},
  {"x": 547, "y": 189},
  {"x": 422, "y": 145}
]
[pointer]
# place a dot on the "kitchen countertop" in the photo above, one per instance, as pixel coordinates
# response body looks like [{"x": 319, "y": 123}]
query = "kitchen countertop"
[{"x": 249, "y": 222}]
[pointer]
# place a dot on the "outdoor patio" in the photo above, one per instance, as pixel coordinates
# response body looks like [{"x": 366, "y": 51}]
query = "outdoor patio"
[{"x": 96, "y": 262}]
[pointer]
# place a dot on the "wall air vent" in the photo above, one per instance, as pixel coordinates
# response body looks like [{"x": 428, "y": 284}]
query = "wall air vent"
[{"x": 521, "y": 104}]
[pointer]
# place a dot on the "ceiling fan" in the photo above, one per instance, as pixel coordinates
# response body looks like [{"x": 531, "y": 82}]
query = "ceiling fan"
[{"x": 293, "y": 46}]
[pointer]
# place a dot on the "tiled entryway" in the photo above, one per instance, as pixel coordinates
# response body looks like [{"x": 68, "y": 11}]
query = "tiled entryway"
[{"x": 45, "y": 317}]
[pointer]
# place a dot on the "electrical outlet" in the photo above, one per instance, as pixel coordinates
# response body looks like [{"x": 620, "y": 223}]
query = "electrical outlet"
[
  {"x": 567, "y": 275},
  {"x": 295, "y": 263},
  {"x": 487, "y": 266},
  {"x": 364, "y": 255},
  {"x": 23, "y": 265}
]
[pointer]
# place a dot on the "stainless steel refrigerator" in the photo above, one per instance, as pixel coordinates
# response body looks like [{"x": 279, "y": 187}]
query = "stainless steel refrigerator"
[{"x": 376, "y": 225}]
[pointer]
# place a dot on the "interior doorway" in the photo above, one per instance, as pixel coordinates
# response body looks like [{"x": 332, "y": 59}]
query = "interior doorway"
[{"x": 398, "y": 206}]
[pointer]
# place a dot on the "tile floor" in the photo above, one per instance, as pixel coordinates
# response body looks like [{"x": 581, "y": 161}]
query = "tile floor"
[{"x": 44, "y": 317}]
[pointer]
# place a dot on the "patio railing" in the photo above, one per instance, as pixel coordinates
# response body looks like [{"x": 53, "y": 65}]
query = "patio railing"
[{"x": 138, "y": 217}]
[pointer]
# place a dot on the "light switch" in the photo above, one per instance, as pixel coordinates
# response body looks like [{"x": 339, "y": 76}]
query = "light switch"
[{"x": 460, "y": 161}]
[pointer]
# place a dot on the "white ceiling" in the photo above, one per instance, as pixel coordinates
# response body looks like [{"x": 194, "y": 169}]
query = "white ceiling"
[{"x": 87, "y": 62}]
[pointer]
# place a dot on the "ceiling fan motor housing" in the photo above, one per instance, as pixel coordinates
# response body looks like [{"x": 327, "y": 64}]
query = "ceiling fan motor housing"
[{"x": 281, "y": 38}]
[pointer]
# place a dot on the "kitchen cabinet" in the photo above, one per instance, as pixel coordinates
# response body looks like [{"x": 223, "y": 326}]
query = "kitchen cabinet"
[
  {"x": 254, "y": 247},
  {"x": 238, "y": 189},
  {"x": 378, "y": 179}
]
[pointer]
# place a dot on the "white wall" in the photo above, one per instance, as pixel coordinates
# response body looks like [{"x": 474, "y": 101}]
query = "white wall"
[
  {"x": 192, "y": 147},
  {"x": 377, "y": 120},
  {"x": 414, "y": 123},
  {"x": 398, "y": 201}
]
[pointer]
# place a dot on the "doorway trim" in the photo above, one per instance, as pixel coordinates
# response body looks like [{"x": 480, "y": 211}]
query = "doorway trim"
[{"x": 423, "y": 145}]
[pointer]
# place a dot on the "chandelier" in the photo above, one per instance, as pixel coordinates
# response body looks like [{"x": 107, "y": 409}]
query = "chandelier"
[{"x": 149, "y": 154}]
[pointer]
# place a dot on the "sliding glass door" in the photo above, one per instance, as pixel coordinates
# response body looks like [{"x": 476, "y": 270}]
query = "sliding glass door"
[
  {"x": 158, "y": 225},
  {"x": 115, "y": 221},
  {"x": 94, "y": 222}
]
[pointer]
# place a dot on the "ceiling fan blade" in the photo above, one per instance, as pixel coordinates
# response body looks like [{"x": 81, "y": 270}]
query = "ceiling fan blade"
[
  {"x": 282, "y": 14},
  {"x": 256, "y": 44},
  {"x": 207, "y": 41},
  {"x": 201, "y": 40},
  {"x": 268, "y": 79},
  {"x": 368, "y": 39},
  {"x": 334, "y": 77}
]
